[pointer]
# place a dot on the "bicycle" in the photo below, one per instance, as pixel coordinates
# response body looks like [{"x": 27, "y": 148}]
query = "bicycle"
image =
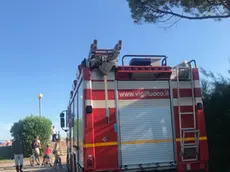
[
  {"x": 47, "y": 161},
  {"x": 33, "y": 159}
]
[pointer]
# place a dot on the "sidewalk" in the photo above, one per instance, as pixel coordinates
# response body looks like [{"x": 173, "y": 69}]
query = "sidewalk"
[
  {"x": 7, "y": 161},
  {"x": 10, "y": 164}
]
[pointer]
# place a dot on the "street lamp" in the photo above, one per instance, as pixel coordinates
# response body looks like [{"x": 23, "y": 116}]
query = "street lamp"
[{"x": 40, "y": 96}]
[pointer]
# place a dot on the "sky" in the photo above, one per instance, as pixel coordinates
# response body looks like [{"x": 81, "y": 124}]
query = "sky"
[{"x": 42, "y": 43}]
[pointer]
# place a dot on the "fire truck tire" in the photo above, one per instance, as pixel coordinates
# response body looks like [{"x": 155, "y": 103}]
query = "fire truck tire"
[
  {"x": 71, "y": 163},
  {"x": 79, "y": 169},
  {"x": 74, "y": 163},
  {"x": 67, "y": 163}
]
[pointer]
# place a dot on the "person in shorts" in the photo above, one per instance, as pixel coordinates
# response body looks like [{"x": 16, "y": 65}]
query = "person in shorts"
[
  {"x": 56, "y": 150},
  {"x": 36, "y": 146}
]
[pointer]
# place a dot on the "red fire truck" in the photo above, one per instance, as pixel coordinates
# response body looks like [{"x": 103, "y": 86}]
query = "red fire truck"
[{"x": 145, "y": 116}]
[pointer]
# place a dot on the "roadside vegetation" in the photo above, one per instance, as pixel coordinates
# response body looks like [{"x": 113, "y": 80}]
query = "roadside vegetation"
[
  {"x": 216, "y": 99},
  {"x": 30, "y": 127}
]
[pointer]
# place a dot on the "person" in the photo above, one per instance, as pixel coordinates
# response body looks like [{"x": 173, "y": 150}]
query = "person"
[
  {"x": 58, "y": 136},
  {"x": 47, "y": 153},
  {"x": 36, "y": 146},
  {"x": 18, "y": 150},
  {"x": 56, "y": 147},
  {"x": 53, "y": 134},
  {"x": 56, "y": 150}
]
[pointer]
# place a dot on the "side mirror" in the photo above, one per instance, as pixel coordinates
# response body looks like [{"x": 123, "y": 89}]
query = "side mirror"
[{"x": 62, "y": 120}]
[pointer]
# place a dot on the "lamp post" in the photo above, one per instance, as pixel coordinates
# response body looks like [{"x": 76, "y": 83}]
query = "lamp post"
[{"x": 40, "y": 96}]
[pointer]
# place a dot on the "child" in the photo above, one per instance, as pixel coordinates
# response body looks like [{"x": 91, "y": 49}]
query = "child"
[
  {"x": 56, "y": 147},
  {"x": 57, "y": 154},
  {"x": 47, "y": 153}
]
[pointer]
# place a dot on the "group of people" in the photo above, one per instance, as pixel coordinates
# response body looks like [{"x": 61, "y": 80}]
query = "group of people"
[
  {"x": 18, "y": 151},
  {"x": 36, "y": 146}
]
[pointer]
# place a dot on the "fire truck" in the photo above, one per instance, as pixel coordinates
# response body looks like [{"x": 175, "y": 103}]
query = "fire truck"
[{"x": 140, "y": 116}]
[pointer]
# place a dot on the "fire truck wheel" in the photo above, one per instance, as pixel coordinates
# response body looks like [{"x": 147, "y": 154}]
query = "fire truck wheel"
[
  {"x": 79, "y": 169},
  {"x": 71, "y": 164}
]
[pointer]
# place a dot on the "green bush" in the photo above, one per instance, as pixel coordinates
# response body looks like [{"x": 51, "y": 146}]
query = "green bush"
[{"x": 30, "y": 127}]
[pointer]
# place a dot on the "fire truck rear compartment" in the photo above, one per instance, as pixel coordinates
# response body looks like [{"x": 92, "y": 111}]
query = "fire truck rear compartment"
[{"x": 145, "y": 131}]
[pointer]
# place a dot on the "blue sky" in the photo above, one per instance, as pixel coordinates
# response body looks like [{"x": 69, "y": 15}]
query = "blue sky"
[{"x": 42, "y": 42}]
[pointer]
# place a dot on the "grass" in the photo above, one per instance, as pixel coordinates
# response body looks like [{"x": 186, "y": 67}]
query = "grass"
[{"x": 3, "y": 159}]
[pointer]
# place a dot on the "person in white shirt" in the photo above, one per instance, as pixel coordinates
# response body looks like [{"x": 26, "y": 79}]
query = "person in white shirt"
[{"x": 53, "y": 134}]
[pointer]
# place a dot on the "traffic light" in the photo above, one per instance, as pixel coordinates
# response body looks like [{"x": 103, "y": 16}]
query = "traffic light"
[
  {"x": 62, "y": 115},
  {"x": 62, "y": 122}
]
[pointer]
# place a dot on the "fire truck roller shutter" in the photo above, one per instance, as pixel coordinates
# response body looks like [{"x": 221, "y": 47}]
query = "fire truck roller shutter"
[{"x": 146, "y": 134}]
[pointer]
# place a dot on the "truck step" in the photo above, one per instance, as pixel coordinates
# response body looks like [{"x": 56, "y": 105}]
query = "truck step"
[
  {"x": 190, "y": 145},
  {"x": 188, "y": 129},
  {"x": 187, "y": 113},
  {"x": 193, "y": 159}
]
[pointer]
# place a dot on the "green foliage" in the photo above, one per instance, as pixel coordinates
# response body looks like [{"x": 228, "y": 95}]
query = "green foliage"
[
  {"x": 152, "y": 11},
  {"x": 216, "y": 98},
  {"x": 30, "y": 127}
]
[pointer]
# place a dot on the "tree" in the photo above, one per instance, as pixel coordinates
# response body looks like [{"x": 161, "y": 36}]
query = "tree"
[
  {"x": 216, "y": 98},
  {"x": 154, "y": 11},
  {"x": 30, "y": 127}
]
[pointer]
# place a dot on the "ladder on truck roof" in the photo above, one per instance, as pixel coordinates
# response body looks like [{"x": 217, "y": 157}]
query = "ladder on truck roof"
[
  {"x": 189, "y": 144},
  {"x": 105, "y": 60}
]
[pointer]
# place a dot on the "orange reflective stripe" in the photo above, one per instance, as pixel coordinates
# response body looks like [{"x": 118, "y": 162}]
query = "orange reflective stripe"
[{"x": 138, "y": 142}]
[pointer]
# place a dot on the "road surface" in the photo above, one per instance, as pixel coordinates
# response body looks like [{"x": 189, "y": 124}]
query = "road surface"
[
  {"x": 27, "y": 168},
  {"x": 9, "y": 167}
]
